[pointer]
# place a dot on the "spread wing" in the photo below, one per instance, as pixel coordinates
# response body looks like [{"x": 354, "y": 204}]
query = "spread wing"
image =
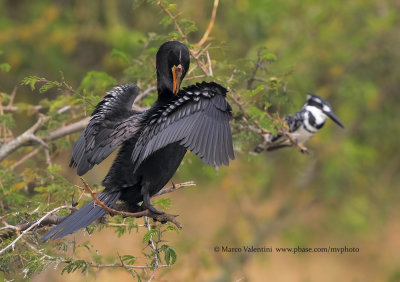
[
  {"x": 112, "y": 123},
  {"x": 198, "y": 119}
]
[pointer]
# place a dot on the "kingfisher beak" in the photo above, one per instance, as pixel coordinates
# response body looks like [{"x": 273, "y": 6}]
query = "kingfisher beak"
[
  {"x": 176, "y": 78},
  {"x": 333, "y": 117}
]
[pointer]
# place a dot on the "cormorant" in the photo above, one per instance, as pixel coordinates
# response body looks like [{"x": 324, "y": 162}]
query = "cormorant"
[{"x": 155, "y": 141}]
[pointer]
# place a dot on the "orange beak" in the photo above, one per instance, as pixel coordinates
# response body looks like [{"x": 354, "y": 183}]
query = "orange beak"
[{"x": 176, "y": 78}]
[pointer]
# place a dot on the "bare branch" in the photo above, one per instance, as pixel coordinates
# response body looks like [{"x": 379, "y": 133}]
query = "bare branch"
[
  {"x": 12, "y": 97},
  {"x": 210, "y": 25},
  {"x": 174, "y": 187},
  {"x": 209, "y": 64},
  {"x": 25, "y": 138},
  {"x": 25, "y": 158},
  {"x": 145, "y": 93},
  {"x": 33, "y": 225},
  {"x": 13, "y": 109},
  {"x": 67, "y": 130}
]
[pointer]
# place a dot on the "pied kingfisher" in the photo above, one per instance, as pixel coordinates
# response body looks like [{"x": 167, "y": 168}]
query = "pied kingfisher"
[{"x": 304, "y": 123}]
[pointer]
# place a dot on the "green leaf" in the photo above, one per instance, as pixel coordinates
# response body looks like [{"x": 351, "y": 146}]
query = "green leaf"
[
  {"x": 164, "y": 203},
  {"x": 172, "y": 228},
  {"x": 166, "y": 21},
  {"x": 251, "y": 93},
  {"x": 120, "y": 54},
  {"x": 5, "y": 67},
  {"x": 31, "y": 81},
  {"x": 48, "y": 85},
  {"x": 129, "y": 259},
  {"x": 53, "y": 169},
  {"x": 147, "y": 237},
  {"x": 171, "y": 7},
  {"x": 97, "y": 81},
  {"x": 271, "y": 57},
  {"x": 168, "y": 254},
  {"x": 78, "y": 264},
  {"x": 8, "y": 120},
  {"x": 255, "y": 112}
]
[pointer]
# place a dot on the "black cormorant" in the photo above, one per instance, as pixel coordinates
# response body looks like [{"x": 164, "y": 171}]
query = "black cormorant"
[{"x": 155, "y": 141}]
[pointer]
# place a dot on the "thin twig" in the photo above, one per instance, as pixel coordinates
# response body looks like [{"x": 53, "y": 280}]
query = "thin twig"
[
  {"x": 12, "y": 96},
  {"x": 33, "y": 225},
  {"x": 174, "y": 187},
  {"x": 145, "y": 93},
  {"x": 210, "y": 25},
  {"x": 256, "y": 67},
  {"x": 155, "y": 250}
]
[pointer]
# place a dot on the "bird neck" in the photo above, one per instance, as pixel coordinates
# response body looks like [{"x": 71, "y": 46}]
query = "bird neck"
[
  {"x": 314, "y": 119},
  {"x": 165, "y": 97},
  {"x": 164, "y": 86}
]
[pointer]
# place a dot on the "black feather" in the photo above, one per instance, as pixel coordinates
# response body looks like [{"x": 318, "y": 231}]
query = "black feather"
[{"x": 82, "y": 218}]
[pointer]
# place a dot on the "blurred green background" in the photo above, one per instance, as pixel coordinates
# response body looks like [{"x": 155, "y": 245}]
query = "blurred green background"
[{"x": 345, "y": 193}]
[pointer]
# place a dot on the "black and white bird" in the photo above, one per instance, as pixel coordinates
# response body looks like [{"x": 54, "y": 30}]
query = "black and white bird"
[{"x": 305, "y": 123}]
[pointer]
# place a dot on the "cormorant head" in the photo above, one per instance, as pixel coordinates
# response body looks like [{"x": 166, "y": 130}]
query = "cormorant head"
[
  {"x": 320, "y": 109},
  {"x": 172, "y": 63}
]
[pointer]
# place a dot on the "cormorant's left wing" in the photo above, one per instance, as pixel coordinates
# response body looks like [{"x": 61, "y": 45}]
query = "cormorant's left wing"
[
  {"x": 113, "y": 122},
  {"x": 198, "y": 119}
]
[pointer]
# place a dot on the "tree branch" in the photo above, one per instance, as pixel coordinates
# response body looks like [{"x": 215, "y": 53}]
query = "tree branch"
[
  {"x": 67, "y": 130},
  {"x": 145, "y": 93},
  {"x": 256, "y": 67},
  {"x": 30, "y": 226},
  {"x": 25, "y": 138},
  {"x": 210, "y": 25},
  {"x": 155, "y": 250},
  {"x": 174, "y": 187}
]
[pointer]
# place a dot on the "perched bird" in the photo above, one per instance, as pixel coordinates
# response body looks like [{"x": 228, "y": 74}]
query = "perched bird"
[
  {"x": 153, "y": 142},
  {"x": 305, "y": 123}
]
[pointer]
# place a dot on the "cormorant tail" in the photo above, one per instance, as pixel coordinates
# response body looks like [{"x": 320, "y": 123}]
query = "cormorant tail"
[{"x": 82, "y": 218}]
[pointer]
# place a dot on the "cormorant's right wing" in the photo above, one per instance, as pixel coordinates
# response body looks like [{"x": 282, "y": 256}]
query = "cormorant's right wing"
[
  {"x": 113, "y": 122},
  {"x": 198, "y": 119}
]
